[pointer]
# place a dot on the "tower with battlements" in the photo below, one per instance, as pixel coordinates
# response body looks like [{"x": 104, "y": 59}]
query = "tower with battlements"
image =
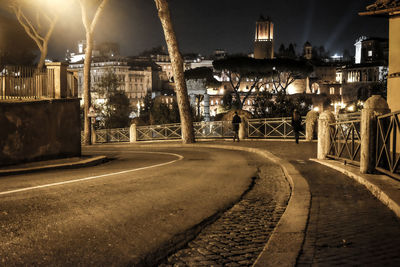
[{"x": 264, "y": 38}]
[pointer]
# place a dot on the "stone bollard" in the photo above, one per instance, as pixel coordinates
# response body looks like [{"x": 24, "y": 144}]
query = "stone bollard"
[
  {"x": 242, "y": 129},
  {"x": 93, "y": 134},
  {"x": 324, "y": 132},
  {"x": 373, "y": 107},
  {"x": 311, "y": 124},
  {"x": 132, "y": 134}
]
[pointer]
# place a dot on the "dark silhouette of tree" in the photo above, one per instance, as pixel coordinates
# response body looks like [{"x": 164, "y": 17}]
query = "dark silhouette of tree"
[
  {"x": 269, "y": 105},
  {"x": 241, "y": 69},
  {"x": 116, "y": 109},
  {"x": 286, "y": 71}
]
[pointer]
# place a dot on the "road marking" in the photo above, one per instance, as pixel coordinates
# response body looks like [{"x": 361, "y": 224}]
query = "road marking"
[{"x": 179, "y": 157}]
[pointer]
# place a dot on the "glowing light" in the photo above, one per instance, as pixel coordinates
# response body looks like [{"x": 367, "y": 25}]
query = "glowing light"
[
  {"x": 351, "y": 108},
  {"x": 316, "y": 109}
]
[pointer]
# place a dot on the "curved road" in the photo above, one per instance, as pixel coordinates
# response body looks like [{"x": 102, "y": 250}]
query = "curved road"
[{"x": 117, "y": 212}]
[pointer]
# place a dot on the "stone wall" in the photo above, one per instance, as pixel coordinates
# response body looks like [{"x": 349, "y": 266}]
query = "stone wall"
[{"x": 38, "y": 130}]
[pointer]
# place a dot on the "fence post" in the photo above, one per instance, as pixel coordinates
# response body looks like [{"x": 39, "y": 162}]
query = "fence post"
[
  {"x": 324, "y": 132},
  {"x": 373, "y": 107},
  {"x": 60, "y": 78},
  {"x": 311, "y": 124},
  {"x": 132, "y": 133},
  {"x": 242, "y": 128},
  {"x": 93, "y": 135}
]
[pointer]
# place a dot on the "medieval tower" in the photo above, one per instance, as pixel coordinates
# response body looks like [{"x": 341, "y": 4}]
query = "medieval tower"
[{"x": 264, "y": 39}]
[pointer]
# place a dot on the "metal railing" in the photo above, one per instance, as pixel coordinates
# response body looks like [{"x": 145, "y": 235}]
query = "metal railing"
[
  {"x": 257, "y": 128},
  {"x": 159, "y": 132},
  {"x": 112, "y": 135},
  {"x": 213, "y": 129},
  {"x": 345, "y": 141},
  {"x": 18, "y": 82},
  {"x": 272, "y": 128},
  {"x": 387, "y": 147},
  {"x": 348, "y": 116}
]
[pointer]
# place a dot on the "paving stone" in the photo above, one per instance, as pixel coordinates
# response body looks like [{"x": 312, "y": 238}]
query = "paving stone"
[{"x": 240, "y": 234}]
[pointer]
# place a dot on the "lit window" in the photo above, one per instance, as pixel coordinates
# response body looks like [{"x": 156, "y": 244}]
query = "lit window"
[
  {"x": 332, "y": 90},
  {"x": 370, "y": 53}
]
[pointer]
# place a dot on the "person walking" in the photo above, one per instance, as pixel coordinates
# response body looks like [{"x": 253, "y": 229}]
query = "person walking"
[
  {"x": 235, "y": 124},
  {"x": 296, "y": 124}
]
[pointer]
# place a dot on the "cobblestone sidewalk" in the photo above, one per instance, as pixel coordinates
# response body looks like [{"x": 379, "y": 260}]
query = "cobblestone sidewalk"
[{"x": 240, "y": 234}]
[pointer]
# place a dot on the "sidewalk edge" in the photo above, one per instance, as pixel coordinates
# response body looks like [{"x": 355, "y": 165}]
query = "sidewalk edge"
[
  {"x": 83, "y": 163},
  {"x": 374, "y": 189},
  {"x": 286, "y": 241}
]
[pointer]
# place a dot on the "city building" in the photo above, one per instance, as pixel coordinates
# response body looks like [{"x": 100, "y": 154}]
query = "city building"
[
  {"x": 391, "y": 10},
  {"x": 107, "y": 49}
]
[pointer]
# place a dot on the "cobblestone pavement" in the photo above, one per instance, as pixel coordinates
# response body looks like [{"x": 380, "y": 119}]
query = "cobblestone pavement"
[
  {"x": 347, "y": 225},
  {"x": 240, "y": 234}
]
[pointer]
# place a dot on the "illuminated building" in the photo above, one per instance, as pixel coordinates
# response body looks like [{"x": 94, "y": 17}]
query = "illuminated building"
[
  {"x": 391, "y": 10},
  {"x": 264, "y": 39},
  {"x": 135, "y": 80},
  {"x": 371, "y": 50}
]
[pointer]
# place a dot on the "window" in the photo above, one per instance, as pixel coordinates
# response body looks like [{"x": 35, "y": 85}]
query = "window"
[
  {"x": 370, "y": 53},
  {"x": 332, "y": 90}
]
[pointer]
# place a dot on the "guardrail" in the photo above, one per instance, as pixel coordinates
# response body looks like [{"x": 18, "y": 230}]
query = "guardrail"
[
  {"x": 345, "y": 141},
  {"x": 272, "y": 128},
  {"x": 159, "y": 132},
  {"x": 256, "y": 128},
  {"x": 387, "y": 146}
]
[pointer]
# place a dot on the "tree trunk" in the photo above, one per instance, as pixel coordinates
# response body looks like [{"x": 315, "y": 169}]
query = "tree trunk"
[
  {"x": 43, "y": 54},
  {"x": 86, "y": 88},
  {"x": 177, "y": 67}
]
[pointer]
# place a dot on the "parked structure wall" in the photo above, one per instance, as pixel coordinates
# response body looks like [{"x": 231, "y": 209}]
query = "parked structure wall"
[{"x": 38, "y": 130}]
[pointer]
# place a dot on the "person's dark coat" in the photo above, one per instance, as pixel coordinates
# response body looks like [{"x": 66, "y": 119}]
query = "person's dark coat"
[
  {"x": 296, "y": 124},
  {"x": 235, "y": 122}
]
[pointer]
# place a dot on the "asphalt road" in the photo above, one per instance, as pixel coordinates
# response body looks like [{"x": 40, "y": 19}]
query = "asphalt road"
[{"x": 117, "y": 212}]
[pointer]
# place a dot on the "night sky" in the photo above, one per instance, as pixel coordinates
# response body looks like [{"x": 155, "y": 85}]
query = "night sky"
[{"x": 205, "y": 25}]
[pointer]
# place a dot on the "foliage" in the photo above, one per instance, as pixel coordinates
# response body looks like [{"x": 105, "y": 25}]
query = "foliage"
[
  {"x": 154, "y": 111},
  {"x": 229, "y": 102},
  {"x": 375, "y": 88},
  {"x": 239, "y": 69},
  {"x": 269, "y": 105},
  {"x": 280, "y": 72},
  {"x": 286, "y": 71},
  {"x": 116, "y": 108}
]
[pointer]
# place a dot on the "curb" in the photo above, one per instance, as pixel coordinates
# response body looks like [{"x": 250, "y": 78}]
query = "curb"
[
  {"x": 82, "y": 163},
  {"x": 373, "y": 188},
  {"x": 286, "y": 241}
]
